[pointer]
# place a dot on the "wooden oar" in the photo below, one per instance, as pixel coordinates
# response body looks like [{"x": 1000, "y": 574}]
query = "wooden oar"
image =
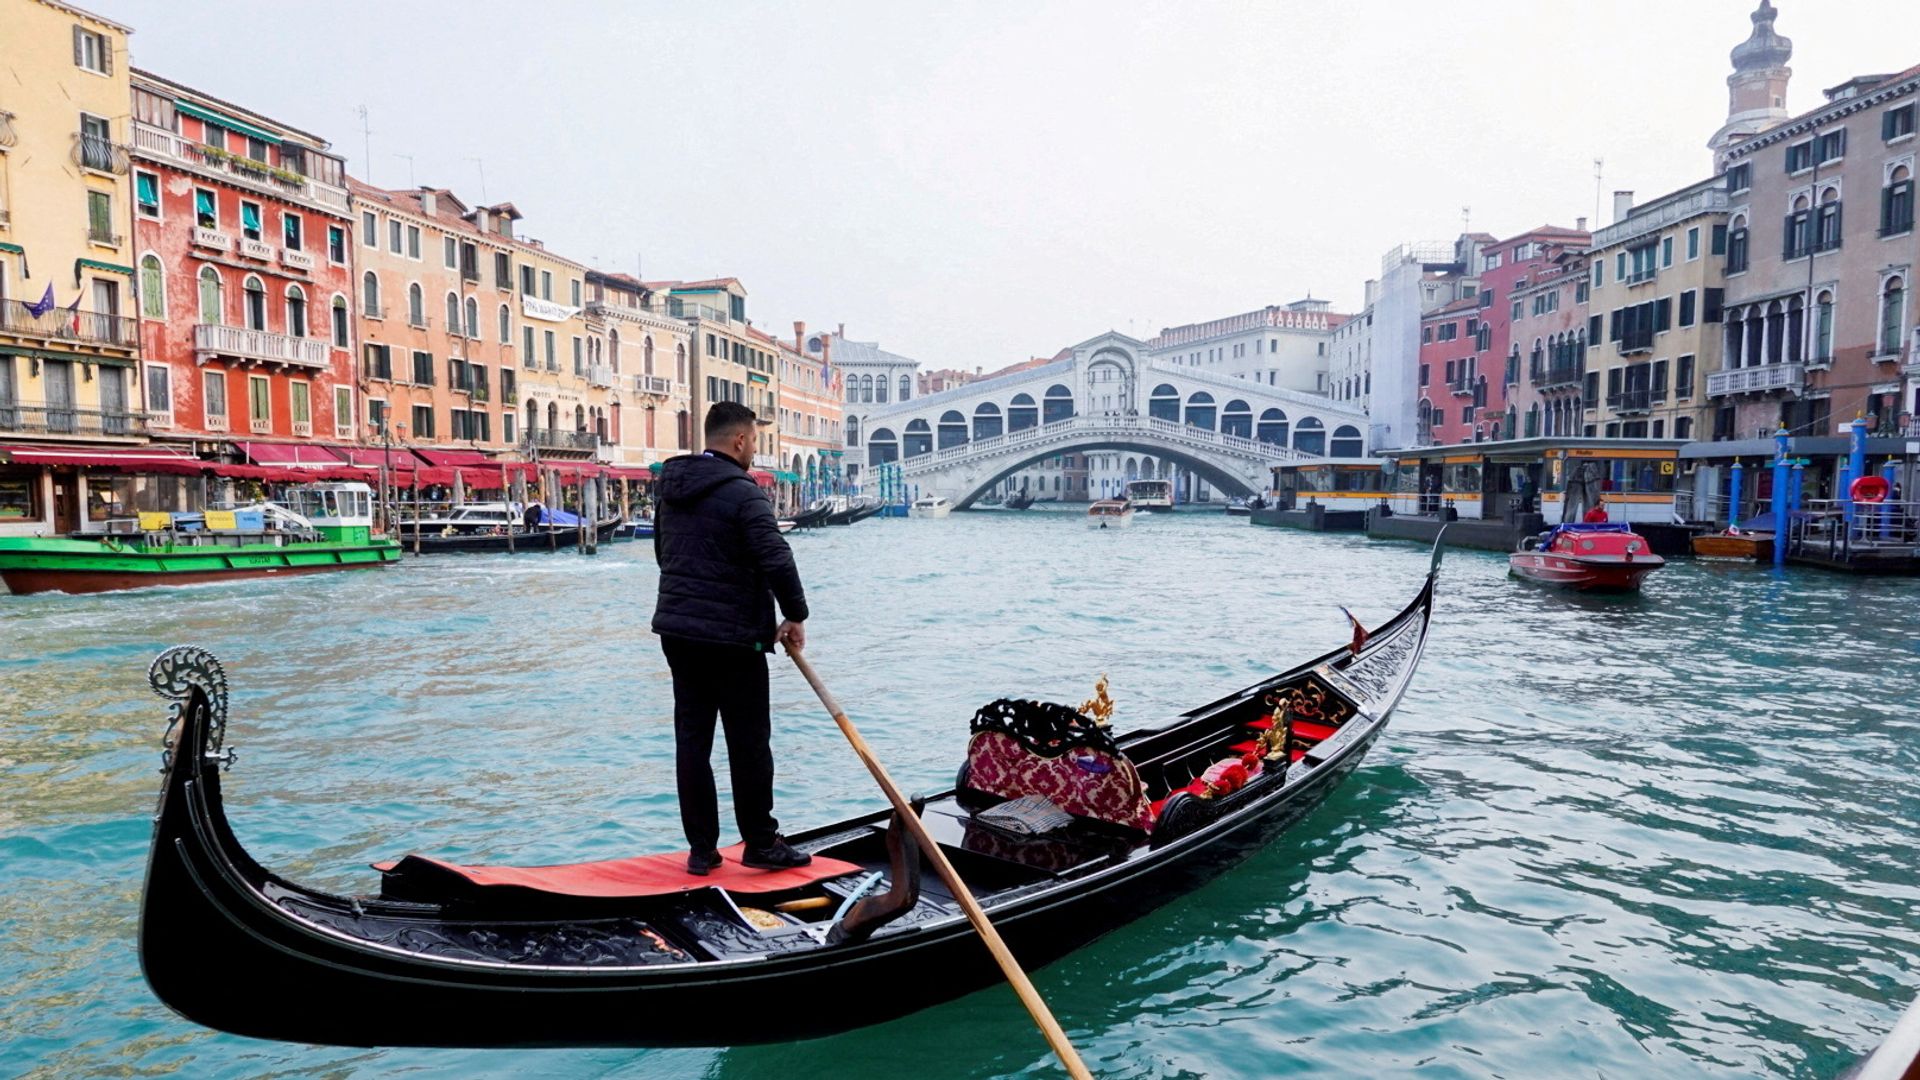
[{"x": 1022, "y": 985}]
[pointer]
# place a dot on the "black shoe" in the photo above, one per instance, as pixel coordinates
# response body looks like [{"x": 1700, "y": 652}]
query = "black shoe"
[
  {"x": 704, "y": 863},
  {"x": 778, "y": 855}
]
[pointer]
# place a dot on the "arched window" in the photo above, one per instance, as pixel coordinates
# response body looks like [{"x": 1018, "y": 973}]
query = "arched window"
[
  {"x": 613, "y": 349},
  {"x": 370, "y": 295},
  {"x": 1200, "y": 410},
  {"x": 579, "y": 418},
  {"x": 296, "y": 311},
  {"x": 506, "y": 326},
  {"x": 416, "y": 305},
  {"x": 646, "y": 354},
  {"x": 1347, "y": 441},
  {"x": 1164, "y": 404},
  {"x": 1737, "y": 244},
  {"x": 853, "y": 388},
  {"x": 1056, "y": 404},
  {"x": 1896, "y": 202},
  {"x": 880, "y": 390},
  {"x": 919, "y": 439},
  {"x": 1237, "y": 419},
  {"x": 153, "y": 288},
  {"x": 340, "y": 328},
  {"x": 1022, "y": 413},
  {"x": 680, "y": 362},
  {"x": 254, "y": 303},
  {"x": 453, "y": 313},
  {"x": 866, "y": 388},
  {"x": 986, "y": 420},
  {"x": 1273, "y": 427},
  {"x": 953, "y": 429},
  {"x": 1893, "y": 313},
  {"x": 853, "y": 431},
  {"x": 906, "y": 388},
  {"x": 882, "y": 447},
  {"x": 1310, "y": 436},
  {"x": 473, "y": 318},
  {"x": 1823, "y": 327},
  {"x": 553, "y": 415}
]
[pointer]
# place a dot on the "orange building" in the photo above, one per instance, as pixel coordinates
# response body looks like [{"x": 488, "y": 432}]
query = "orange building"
[{"x": 811, "y": 440}]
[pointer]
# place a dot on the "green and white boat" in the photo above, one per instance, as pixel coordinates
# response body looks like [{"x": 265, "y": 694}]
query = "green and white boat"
[{"x": 327, "y": 527}]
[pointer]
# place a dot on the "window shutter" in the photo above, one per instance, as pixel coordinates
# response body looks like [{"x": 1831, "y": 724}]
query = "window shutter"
[
  {"x": 1786, "y": 243},
  {"x": 1713, "y": 299},
  {"x": 1886, "y": 124},
  {"x": 1719, "y": 239},
  {"x": 79, "y": 55},
  {"x": 1663, "y": 313},
  {"x": 106, "y": 54}
]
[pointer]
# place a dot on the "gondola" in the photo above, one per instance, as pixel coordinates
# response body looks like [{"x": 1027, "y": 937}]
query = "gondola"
[
  {"x": 813, "y": 515},
  {"x": 1021, "y": 501},
  {"x": 544, "y": 538},
  {"x": 631, "y": 953}
]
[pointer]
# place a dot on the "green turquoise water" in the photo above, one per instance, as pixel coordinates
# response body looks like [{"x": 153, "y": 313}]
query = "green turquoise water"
[{"x": 1666, "y": 835}]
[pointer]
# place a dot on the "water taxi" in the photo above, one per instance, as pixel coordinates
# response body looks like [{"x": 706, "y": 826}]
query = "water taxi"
[
  {"x": 1150, "y": 494},
  {"x": 1605, "y": 556},
  {"x": 930, "y": 506},
  {"x": 1110, "y": 514},
  {"x": 326, "y": 526}
]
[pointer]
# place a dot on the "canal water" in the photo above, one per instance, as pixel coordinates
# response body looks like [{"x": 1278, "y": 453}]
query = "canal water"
[{"x": 1666, "y": 835}]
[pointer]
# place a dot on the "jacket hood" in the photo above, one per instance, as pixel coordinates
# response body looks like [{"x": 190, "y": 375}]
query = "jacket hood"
[{"x": 688, "y": 479}]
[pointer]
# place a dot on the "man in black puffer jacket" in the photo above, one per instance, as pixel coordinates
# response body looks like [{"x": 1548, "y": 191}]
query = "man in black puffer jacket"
[{"x": 723, "y": 564}]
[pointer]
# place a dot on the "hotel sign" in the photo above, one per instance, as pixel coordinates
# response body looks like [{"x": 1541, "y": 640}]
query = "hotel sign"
[{"x": 545, "y": 310}]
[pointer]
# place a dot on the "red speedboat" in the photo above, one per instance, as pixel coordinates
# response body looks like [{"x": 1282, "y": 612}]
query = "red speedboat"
[{"x": 1602, "y": 556}]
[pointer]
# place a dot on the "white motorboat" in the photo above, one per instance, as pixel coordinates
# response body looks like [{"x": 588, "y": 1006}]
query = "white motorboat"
[
  {"x": 1150, "y": 494},
  {"x": 930, "y": 506},
  {"x": 1110, "y": 514}
]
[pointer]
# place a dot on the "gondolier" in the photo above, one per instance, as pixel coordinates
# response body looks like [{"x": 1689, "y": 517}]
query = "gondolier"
[{"x": 723, "y": 566}]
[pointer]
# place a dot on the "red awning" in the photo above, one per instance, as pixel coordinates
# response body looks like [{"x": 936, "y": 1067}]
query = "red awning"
[
  {"x": 640, "y": 474},
  {"x": 373, "y": 457},
  {"x": 305, "y": 455},
  {"x": 126, "y": 459},
  {"x": 762, "y": 477},
  {"x": 462, "y": 458}
]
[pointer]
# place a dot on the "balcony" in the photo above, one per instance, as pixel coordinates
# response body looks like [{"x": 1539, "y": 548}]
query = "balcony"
[
  {"x": 26, "y": 418},
  {"x": 549, "y": 439},
  {"x": 155, "y": 142},
  {"x": 256, "y": 249},
  {"x": 658, "y": 385},
  {"x": 211, "y": 340},
  {"x": 690, "y": 309},
  {"x": 66, "y": 324},
  {"x": 104, "y": 237},
  {"x": 217, "y": 422},
  {"x": 211, "y": 238},
  {"x": 98, "y": 154},
  {"x": 1629, "y": 402},
  {"x": 8, "y": 136},
  {"x": 303, "y": 427},
  {"x": 1757, "y": 380},
  {"x": 1554, "y": 376},
  {"x": 296, "y": 260},
  {"x": 1641, "y": 277}
]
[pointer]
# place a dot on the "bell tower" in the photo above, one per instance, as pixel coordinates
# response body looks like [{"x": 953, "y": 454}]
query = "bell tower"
[{"x": 1757, "y": 89}]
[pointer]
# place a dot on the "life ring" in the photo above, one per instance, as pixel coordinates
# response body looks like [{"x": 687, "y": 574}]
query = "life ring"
[{"x": 1869, "y": 489}]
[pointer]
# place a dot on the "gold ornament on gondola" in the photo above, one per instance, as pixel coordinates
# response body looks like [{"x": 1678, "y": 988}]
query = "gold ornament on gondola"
[{"x": 1099, "y": 706}]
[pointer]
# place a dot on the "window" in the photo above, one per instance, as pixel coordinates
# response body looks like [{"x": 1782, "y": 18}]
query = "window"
[
  {"x": 377, "y": 416},
  {"x": 339, "y": 322},
  {"x": 422, "y": 368},
  {"x": 502, "y": 271},
  {"x": 1423, "y": 374},
  {"x": 553, "y": 360},
  {"x": 292, "y": 231},
  {"x": 159, "y": 382},
  {"x": 213, "y": 391},
  {"x": 146, "y": 194},
  {"x": 92, "y": 51},
  {"x": 1800, "y": 156},
  {"x": 336, "y": 245},
  {"x": 296, "y": 311},
  {"x": 369, "y": 229},
  {"x": 1719, "y": 243},
  {"x": 370, "y": 295},
  {"x": 413, "y": 241},
  {"x": 343, "y": 412},
  {"x": 1897, "y": 123},
  {"x": 1833, "y": 146},
  {"x": 526, "y": 280},
  {"x": 1683, "y": 427},
  {"x": 1827, "y": 223},
  {"x": 416, "y": 305},
  {"x": 506, "y": 427},
  {"x": 1620, "y": 267},
  {"x": 254, "y": 303},
  {"x": 1666, "y": 251},
  {"x": 300, "y": 406},
  {"x": 453, "y": 313},
  {"x": 394, "y": 236},
  {"x": 546, "y": 284},
  {"x": 1599, "y": 273},
  {"x": 574, "y": 295},
  {"x": 506, "y": 326},
  {"x": 260, "y": 402},
  {"x": 1683, "y": 377},
  {"x": 1687, "y": 308},
  {"x": 212, "y": 303},
  {"x": 1519, "y": 308},
  {"x": 206, "y": 211},
  {"x": 1737, "y": 246},
  {"x": 1893, "y": 309},
  {"x": 423, "y": 422},
  {"x": 153, "y": 288},
  {"x": 579, "y": 360},
  {"x": 473, "y": 318},
  {"x": 1896, "y": 202},
  {"x": 1740, "y": 177},
  {"x": 450, "y": 252},
  {"x": 1693, "y": 243},
  {"x": 100, "y": 218},
  {"x": 250, "y": 220},
  {"x": 527, "y": 357},
  {"x": 379, "y": 361}
]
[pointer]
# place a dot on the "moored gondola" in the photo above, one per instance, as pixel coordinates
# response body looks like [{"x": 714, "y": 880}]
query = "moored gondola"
[{"x": 1063, "y": 832}]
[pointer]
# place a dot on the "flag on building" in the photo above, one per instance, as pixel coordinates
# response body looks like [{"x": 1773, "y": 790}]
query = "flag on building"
[
  {"x": 73, "y": 314},
  {"x": 40, "y": 307}
]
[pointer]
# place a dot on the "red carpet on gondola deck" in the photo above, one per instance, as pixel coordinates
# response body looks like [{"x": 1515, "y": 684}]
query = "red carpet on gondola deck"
[{"x": 646, "y": 875}]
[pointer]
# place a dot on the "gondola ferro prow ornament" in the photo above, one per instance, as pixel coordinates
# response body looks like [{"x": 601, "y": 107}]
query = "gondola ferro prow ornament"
[{"x": 176, "y": 675}]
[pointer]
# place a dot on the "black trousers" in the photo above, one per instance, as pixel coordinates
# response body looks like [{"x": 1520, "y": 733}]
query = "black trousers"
[{"x": 730, "y": 681}]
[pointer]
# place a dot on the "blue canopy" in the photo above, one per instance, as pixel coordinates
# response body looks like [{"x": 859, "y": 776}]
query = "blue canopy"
[{"x": 550, "y": 516}]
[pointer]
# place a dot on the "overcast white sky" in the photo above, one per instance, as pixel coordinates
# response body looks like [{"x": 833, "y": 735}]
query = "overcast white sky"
[{"x": 972, "y": 184}]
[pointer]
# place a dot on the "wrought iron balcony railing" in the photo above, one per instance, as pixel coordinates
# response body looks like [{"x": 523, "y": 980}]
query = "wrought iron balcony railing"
[
  {"x": 29, "y": 418},
  {"x": 99, "y": 154},
  {"x": 66, "y": 324}
]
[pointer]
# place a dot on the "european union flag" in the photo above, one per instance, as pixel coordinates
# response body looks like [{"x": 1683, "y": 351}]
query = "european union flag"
[{"x": 43, "y": 305}]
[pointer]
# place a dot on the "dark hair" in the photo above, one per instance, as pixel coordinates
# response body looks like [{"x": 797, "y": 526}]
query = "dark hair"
[{"x": 725, "y": 416}]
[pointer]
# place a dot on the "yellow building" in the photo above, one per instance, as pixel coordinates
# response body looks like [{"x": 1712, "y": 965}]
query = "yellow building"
[
  {"x": 68, "y": 343},
  {"x": 731, "y": 361}
]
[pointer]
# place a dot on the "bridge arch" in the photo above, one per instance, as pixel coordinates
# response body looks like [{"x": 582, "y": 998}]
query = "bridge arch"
[
  {"x": 1273, "y": 427},
  {"x": 1310, "y": 436},
  {"x": 882, "y": 446},
  {"x": 1056, "y": 404},
  {"x": 1165, "y": 403},
  {"x": 1200, "y": 410},
  {"x": 1022, "y": 413},
  {"x": 1347, "y": 441},
  {"x": 952, "y": 430},
  {"x": 986, "y": 420},
  {"x": 919, "y": 439},
  {"x": 1169, "y": 457},
  {"x": 1237, "y": 419}
]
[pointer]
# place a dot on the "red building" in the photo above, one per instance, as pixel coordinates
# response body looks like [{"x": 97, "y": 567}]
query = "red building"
[
  {"x": 1448, "y": 373},
  {"x": 244, "y": 266},
  {"x": 1474, "y": 402}
]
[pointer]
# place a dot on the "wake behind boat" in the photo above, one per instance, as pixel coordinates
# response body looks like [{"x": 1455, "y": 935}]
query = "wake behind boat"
[{"x": 636, "y": 953}]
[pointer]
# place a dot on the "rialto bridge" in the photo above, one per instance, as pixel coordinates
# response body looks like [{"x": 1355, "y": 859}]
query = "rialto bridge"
[{"x": 1107, "y": 396}]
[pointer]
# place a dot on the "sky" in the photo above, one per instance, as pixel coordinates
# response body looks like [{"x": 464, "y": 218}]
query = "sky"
[{"x": 972, "y": 184}]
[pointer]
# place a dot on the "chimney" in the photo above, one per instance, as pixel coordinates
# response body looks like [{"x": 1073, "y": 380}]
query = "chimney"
[
  {"x": 427, "y": 202},
  {"x": 842, "y": 332},
  {"x": 1580, "y": 224},
  {"x": 826, "y": 350},
  {"x": 480, "y": 219},
  {"x": 1622, "y": 205},
  {"x": 799, "y": 337}
]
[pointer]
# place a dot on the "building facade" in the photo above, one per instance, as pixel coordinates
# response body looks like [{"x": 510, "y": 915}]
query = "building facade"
[
  {"x": 1283, "y": 345},
  {"x": 68, "y": 340},
  {"x": 245, "y": 275},
  {"x": 646, "y": 352},
  {"x": 812, "y": 447},
  {"x": 871, "y": 378},
  {"x": 730, "y": 360},
  {"x": 1657, "y": 290},
  {"x": 1449, "y": 372},
  {"x": 1546, "y": 363},
  {"x": 1414, "y": 279}
]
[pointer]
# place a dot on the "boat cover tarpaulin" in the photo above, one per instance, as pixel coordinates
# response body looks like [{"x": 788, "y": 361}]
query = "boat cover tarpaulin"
[
  {"x": 550, "y": 516},
  {"x": 647, "y": 875}
]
